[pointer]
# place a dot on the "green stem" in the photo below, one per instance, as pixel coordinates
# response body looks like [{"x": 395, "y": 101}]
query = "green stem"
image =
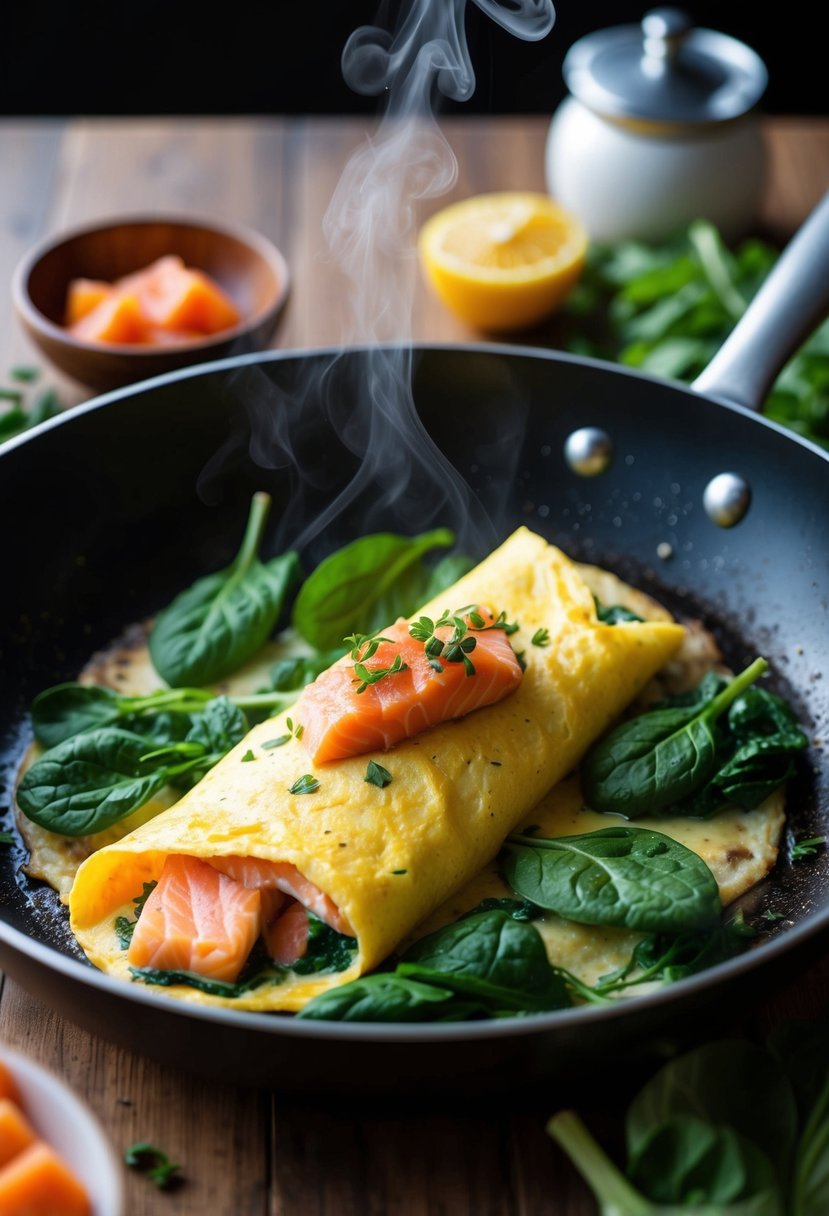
[
  {"x": 265, "y": 700},
  {"x": 613, "y": 1191},
  {"x": 710, "y": 252},
  {"x": 734, "y": 688},
  {"x": 185, "y": 700}
]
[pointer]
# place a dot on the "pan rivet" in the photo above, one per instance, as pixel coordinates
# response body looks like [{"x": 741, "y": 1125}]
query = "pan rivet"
[
  {"x": 726, "y": 499},
  {"x": 588, "y": 451}
]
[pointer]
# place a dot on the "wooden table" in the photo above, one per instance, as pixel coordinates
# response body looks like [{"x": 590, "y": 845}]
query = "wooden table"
[{"x": 256, "y": 1152}]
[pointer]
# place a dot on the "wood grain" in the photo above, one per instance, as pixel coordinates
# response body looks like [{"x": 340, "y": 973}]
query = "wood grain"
[{"x": 245, "y": 1151}]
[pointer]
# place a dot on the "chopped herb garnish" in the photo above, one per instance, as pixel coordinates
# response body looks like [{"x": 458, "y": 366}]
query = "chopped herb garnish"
[
  {"x": 808, "y": 847},
  {"x": 6, "y": 838},
  {"x": 771, "y": 915},
  {"x": 541, "y": 637},
  {"x": 495, "y": 763},
  {"x": 279, "y": 741},
  {"x": 248, "y": 756},
  {"x": 457, "y": 647},
  {"x": 304, "y": 785},
  {"x": 400, "y": 871},
  {"x": 152, "y": 1162},
  {"x": 377, "y": 775},
  {"x": 367, "y": 676},
  {"x": 522, "y": 662},
  {"x": 25, "y": 374}
]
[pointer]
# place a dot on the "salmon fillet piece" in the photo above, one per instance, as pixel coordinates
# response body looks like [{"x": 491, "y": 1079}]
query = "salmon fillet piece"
[
  {"x": 340, "y": 717},
  {"x": 196, "y": 919},
  {"x": 263, "y": 875},
  {"x": 286, "y": 935}
]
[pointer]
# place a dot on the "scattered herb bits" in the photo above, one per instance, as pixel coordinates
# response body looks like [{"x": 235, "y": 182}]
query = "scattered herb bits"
[
  {"x": 306, "y": 784},
  {"x": 377, "y": 775}
]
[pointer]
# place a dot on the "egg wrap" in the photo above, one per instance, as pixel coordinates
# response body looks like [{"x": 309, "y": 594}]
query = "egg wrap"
[{"x": 388, "y": 857}]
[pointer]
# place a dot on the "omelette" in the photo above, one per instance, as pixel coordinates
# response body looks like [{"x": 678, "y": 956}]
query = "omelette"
[{"x": 385, "y": 863}]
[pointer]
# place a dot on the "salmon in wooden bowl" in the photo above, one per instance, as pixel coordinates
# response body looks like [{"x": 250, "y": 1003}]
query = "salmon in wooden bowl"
[
  {"x": 127, "y": 298},
  {"x": 54, "y": 1155}
]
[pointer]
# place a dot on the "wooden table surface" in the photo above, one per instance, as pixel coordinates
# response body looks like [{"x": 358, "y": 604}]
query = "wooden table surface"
[{"x": 246, "y": 1151}]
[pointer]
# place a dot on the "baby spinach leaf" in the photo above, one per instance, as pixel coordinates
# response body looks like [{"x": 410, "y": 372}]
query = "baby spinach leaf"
[
  {"x": 490, "y": 957},
  {"x": 487, "y": 965},
  {"x": 732, "y": 1083},
  {"x": 90, "y": 782},
  {"x": 653, "y": 761},
  {"x": 70, "y": 709},
  {"x": 365, "y": 586},
  {"x": 327, "y": 950},
  {"x": 616, "y": 876},
  {"x": 223, "y": 619},
  {"x": 686, "y": 1161},
  {"x": 384, "y": 997},
  {"x": 294, "y": 673}
]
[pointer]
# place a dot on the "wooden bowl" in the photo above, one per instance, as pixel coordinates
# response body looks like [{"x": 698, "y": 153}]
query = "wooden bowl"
[{"x": 245, "y": 264}]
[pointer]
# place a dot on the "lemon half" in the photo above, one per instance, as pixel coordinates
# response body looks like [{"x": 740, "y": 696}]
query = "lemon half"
[{"x": 503, "y": 261}]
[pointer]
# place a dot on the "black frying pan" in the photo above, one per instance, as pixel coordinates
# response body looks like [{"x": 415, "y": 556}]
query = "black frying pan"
[{"x": 110, "y": 510}]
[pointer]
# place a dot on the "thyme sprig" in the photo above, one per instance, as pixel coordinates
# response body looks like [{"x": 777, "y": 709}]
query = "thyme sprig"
[
  {"x": 460, "y": 643},
  {"x": 364, "y": 647}
]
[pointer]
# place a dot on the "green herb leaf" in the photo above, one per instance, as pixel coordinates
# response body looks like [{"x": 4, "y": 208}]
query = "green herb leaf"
[
  {"x": 541, "y": 637},
  {"x": 377, "y": 775},
  {"x": 6, "y": 838},
  {"x": 306, "y": 784},
  {"x": 153, "y": 1162},
  {"x": 279, "y": 741}
]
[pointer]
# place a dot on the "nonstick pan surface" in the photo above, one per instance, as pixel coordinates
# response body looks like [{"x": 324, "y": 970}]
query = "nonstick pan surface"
[{"x": 114, "y": 508}]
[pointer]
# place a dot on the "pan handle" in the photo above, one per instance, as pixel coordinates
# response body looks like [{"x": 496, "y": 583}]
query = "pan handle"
[{"x": 789, "y": 305}]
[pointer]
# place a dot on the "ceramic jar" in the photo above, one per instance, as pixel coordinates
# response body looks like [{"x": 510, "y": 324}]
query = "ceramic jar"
[{"x": 660, "y": 127}]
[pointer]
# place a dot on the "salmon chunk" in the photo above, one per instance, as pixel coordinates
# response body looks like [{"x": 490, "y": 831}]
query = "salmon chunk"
[
  {"x": 196, "y": 919},
  {"x": 342, "y": 715}
]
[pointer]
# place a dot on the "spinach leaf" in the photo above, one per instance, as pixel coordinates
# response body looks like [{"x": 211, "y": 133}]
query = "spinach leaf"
[
  {"x": 732, "y": 1083},
  {"x": 490, "y": 957},
  {"x": 617, "y": 1196},
  {"x": 223, "y": 619},
  {"x": 294, "y": 673},
  {"x": 802, "y": 1050},
  {"x": 95, "y": 778},
  {"x": 384, "y": 997},
  {"x": 365, "y": 586},
  {"x": 616, "y": 876},
  {"x": 687, "y": 1160},
  {"x": 327, "y": 950},
  {"x": 651, "y": 762},
  {"x": 487, "y": 965},
  {"x": 70, "y": 709},
  {"x": 90, "y": 782}
]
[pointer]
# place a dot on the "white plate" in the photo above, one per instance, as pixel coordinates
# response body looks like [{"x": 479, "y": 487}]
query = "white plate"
[{"x": 66, "y": 1123}]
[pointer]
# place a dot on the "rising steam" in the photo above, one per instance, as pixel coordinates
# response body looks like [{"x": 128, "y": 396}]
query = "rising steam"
[{"x": 370, "y": 233}]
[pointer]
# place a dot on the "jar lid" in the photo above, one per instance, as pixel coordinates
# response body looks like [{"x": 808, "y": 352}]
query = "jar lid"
[{"x": 665, "y": 71}]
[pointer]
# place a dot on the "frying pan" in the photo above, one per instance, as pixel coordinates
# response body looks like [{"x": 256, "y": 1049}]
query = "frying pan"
[{"x": 111, "y": 509}]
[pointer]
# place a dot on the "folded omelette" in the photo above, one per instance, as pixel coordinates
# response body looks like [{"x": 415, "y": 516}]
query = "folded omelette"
[{"x": 387, "y": 853}]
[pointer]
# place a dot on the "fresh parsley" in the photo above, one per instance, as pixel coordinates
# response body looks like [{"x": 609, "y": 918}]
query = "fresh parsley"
[
  {"x": 305, "y": 784},
  {"x": 377, "y": 775},
  {"x": 153, "y": 1163}
]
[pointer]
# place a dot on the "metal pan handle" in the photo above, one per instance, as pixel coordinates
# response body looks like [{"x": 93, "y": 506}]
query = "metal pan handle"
[{"x": 792, "y": 301}]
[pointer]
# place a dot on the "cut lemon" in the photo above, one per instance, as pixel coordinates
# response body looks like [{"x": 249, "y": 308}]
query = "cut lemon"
[{"x": 503, "y": 261}]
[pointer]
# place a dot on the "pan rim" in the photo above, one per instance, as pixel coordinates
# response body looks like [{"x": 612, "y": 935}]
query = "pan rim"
[{"x": 332, "y": 352}]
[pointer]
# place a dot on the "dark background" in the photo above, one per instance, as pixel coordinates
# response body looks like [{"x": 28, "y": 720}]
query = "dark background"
[{"x": 283, "y": 56}]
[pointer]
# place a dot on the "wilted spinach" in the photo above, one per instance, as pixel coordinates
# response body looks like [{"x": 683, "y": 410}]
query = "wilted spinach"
[
  {"x": 222, "y": 620},
  {"x": 724, "y": 743},
  {"x": 625, "y": 876}
]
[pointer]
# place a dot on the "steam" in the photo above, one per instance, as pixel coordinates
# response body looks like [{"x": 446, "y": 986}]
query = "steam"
[{"x": 369, "y": 230}]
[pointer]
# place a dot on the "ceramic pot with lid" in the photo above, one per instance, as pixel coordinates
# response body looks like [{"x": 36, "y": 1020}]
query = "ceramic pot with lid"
[{"x": 660, "y": 127}]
